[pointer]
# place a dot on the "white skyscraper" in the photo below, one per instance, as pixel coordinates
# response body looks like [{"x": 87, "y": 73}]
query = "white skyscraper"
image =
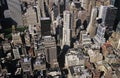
[
  {"x": 102, "y": 13},
  {"x": 91, "y": 29},
  {"x": 66, "y": 29}
]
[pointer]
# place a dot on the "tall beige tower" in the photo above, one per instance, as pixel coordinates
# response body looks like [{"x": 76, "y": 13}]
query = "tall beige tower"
[
  {"x": 85, "y": 4},
  {"x": 73, "y": 17},
  {"x": 90, "y": 6},
  {"x": 91, "y": 29},
  {"x": 74, "y": 10},
  {"x": 50, "y": 51},
  {"x": 66, "y": 29}
]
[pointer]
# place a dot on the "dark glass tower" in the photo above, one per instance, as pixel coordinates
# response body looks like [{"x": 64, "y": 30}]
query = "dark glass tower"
[
  {"x": 45, "y": 26},
  {"x": 110, "y": 17}
]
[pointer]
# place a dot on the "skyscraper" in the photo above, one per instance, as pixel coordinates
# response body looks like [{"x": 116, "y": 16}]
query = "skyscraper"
[
  {"x": 73, "y": 15},
  {"x": 85, "y": 4},
  {"x": 15, "y": 11},
  {"x": 108, "y": 15},
  {"x": 45, "y": 26},
  {"x": 91, "y": 29},
  {"x": 66, "y": 29},
  {"x": 91, "y": 5},
  {"x": 99, "y": 37},
  {"x": 74, "y": 10},
  {"x": 102, "y": 13},
  {"x": 50, "y": 51}
]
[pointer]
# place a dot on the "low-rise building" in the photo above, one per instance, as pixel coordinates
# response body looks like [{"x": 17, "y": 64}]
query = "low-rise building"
[
  {"x": 107, "y": 49},
  {"x": 16, "y": 53},
  {"x": 27, "y": 39},
  {"x": 114, "y": 40},
  {"x": 40, "y": 63},
  {"x": 16, "y": 38},
  {"x": 55, "y": 73},
  {"x": 26, "y": 65},
  {"x": 85, "y": 38},
  {"x": 95, "y": 55},
  {"x": 6, "y": 46},
  {"x": 74, "y": 57},
  {"x": 79, "y": 72}
]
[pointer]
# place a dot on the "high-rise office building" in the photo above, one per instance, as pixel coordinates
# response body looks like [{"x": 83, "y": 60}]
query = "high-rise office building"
[
  {"x": 91, "y": 5},
  {"x": 67, "y": 3},
  {"x": 45, "y": 6},
  {"x": 85, "y": 4},
  {"x": 15, "y": 11},
  {"x": 50, "y": 51},
  {"x": 75, "y": 7},
  {"x": 72, "y": 11},
  {"x": 99, "y": 38},
  {"x": 66, "y": 29},
  {"x": 91, "y": 29},
  {"x": 45, "y": 26},
  {"x": 41, "y": 5},
  {"x": 62, "y": 7},
  {"x": 108, "y": 15},
  {"x": 102, "y": 13}
]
